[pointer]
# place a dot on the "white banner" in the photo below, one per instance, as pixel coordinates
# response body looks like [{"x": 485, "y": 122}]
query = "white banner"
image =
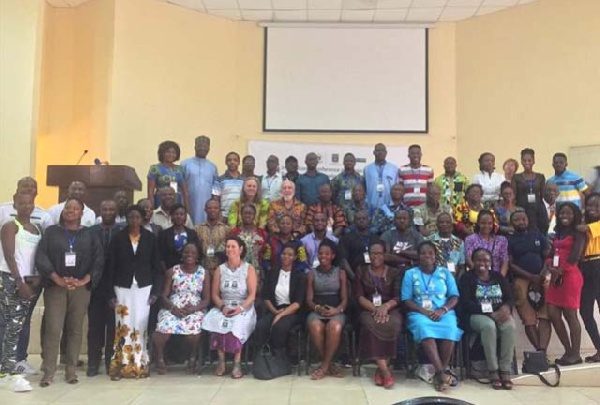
[{"x": 331, "y": 156}]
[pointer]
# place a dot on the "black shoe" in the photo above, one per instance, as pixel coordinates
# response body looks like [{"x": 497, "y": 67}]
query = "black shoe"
[{"x": 92, "y": 371}]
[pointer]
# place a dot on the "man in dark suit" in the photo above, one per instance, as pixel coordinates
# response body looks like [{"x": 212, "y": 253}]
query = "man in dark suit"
[{"x": 101, "y": 319}]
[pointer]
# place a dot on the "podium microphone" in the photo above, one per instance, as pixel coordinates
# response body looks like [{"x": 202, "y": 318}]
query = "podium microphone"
[
  {"x": 97, "y": 162},
  {"x": 81, "y": 157}
]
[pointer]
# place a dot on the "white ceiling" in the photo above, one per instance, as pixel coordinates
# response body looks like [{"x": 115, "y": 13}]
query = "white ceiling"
[{"x": 338, "y": 10}]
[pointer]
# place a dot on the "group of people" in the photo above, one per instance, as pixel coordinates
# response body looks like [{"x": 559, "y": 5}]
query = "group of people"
[{"x": 247, "y": 257}]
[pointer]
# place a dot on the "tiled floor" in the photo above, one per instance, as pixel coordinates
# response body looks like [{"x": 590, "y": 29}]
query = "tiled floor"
[{"x": 178, "y": 388}]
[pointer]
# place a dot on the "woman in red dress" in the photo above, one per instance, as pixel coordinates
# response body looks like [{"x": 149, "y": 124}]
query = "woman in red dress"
[{"x": 564, "y": 292}]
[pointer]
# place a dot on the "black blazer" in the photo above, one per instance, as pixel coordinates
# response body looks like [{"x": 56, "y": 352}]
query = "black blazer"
[
  {"x": 123, "y": 264},
  {"x": 297, "y": 287},
  {"x": 168, "y": 254}
]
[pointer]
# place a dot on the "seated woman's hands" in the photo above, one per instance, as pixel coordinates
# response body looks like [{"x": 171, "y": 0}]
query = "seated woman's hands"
[
  {"x": 327, "y": 311},
  {"x": 436, "y": 314},
  {"x": 502, "y": 315},
  {"x": 381, "y": 314},
  {"x": 178, "y": 312},
  {"x": 231, "y": 311}
]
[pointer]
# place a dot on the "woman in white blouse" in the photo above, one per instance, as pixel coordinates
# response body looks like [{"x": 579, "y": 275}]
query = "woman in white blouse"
[{"x": 489, "y": 180}]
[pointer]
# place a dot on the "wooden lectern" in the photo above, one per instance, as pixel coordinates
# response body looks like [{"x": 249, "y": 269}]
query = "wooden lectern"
[{"x": 102, "y": 181}]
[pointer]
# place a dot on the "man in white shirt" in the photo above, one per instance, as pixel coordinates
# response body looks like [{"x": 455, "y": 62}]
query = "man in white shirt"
[
  {"x": 271, "y": 182},
  {"x": 77, "y": 189},
  {"x": 551, "y": 193},
  {"x": 39, "y": 217},
  {"x": 162, "y": 215}
]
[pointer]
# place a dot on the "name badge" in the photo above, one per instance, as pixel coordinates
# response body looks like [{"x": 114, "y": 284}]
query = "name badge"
[
  {"x": 451, "y": 266},
  {"x": 417, "y": 190},
  {"x": 531, "y": 198},
  {"x": 210, "y": 251},
  {"x": 418, "y": 221},
  {"x": 315, "y": 263},
  {"x": 70, "y": 259},
  {"x": 348, "y": 195},
  {"x": 367, "y": 258},
  {"x": 428, "y": 304},
  {"x": 377, "y": 299},
  {"x": 329, "y": 229},
  {"x": 379, "y": 187},
  {"x": 225, "y": 323},
  {"x": 555, "y": 261},
  {"x": 486, "y": 307},
  {"x": 173, "y": 185}
]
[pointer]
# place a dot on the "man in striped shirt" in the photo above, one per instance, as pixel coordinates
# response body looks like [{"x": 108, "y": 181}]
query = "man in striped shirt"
[
  {"x": 415, "y": 177},
  {"x": 571, "y": 186}
]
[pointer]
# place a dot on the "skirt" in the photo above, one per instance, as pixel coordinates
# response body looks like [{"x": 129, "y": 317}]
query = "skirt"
[
  {"x": 241, "y": 326},
  {"x": 378, "y": 340},
  {"x": 422, "y": 327},
  {"x": 130, "y": 358},
  {"x": 314, "y": 316}
]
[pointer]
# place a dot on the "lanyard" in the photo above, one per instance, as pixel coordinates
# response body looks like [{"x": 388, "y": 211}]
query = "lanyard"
[
  {"x": 70, "y": 240},
  {"x": 380, "y": 171},
  {"x": 376, "y": 282},
  {"x": 426, "y": 285}
]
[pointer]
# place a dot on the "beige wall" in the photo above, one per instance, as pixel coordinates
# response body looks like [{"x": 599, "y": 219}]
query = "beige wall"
[
  {"x": 75, "y": 88},
  {"x": 528, "y": 76},
  {"x": 21, "y": 35},
  {"x": 206, "y": 78}
]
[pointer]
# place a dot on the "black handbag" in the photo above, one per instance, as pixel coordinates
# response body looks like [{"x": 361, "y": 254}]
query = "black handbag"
[
  {"x": 537, "y": 363},
  {"x": 269, "y": 364}
]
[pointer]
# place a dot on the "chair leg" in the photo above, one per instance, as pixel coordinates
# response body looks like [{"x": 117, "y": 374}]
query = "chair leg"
[
  {"x": 299, "y": 344},
  {"x": 308, "y": 355}
]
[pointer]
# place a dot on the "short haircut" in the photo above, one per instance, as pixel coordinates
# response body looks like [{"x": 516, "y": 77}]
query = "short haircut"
[
  {"x": 232, "y": 153},
  {"x": 291, "y": 159},
  {"x": 559, "y": 154},
  {"x": 528, "y": 151},
  {"x": 136, "y": 208},
  {"x": 164, "y": 147},
  {"x": 414, "y": 146}
]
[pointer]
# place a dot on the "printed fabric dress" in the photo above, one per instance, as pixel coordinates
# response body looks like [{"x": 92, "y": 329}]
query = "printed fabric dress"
[
  {"x": 568, "y": 294},
  {"x": 186, "y": 290},
  {"x": 437, "y": 287},
  {"x": 167, "y": 176},
  {"x": 234, "y": 290}
]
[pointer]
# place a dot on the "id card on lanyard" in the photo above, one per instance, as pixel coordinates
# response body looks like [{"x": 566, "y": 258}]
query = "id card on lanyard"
[
  {"x": 427, "y": 303},
  {"x": 70, "y": 255}
]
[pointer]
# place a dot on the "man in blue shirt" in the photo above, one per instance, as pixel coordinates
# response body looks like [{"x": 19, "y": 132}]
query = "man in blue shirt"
[
  {"x": 201, "y": 177},
  {"x": 307, "y": 185},
  {"x": 380, "y": 176},
  {"x": 571, "y": 186}
]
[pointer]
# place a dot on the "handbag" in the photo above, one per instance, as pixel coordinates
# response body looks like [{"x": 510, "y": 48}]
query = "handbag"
[
  {"x": 537, "y": 363},
  {"x": 269, "y": 364}
]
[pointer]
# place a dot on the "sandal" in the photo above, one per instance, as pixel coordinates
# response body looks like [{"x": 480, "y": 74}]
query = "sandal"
[
  {"x": 318, "y": 374},
  {"x": 161, "y": 367},
  {"x": 441, "y": 381},
  {"x": 220, "y": 370},
  {"x": 46, "y": 381},
  {"x": 70, "y": 376},
  {"x": 495, "y": 380},
  {"x": 453, "y": 378},
  {"x": 191, "y": 365},
  {"x": 335, "y": 371},
  {"x": 593, "y": 359},
  {"x": 237, "y": 373},
  {"x": 565, "y": 361},
  {"x": 507, "y": 384}
]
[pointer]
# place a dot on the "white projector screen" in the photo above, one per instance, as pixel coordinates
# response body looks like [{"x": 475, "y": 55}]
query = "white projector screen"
[{"x": 345, "y": 79}]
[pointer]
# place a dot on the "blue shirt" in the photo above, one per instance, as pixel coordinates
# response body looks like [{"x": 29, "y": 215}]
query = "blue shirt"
[
  {"x": 201, "y": 177},
  {"x": 569, "y": 185},
  {"x": 229, "y": 189},
  {"x": 386, "y": 174},
  {"x": 307, "y": 187},
  {"x": 437, "y": 287},
  {"x": 311, "y": 245}
]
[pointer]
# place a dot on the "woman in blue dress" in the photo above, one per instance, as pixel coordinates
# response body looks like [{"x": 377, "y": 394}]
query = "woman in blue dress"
[
  {"x": 167, "y": 173},
  {"x": 429, "y": 294}
]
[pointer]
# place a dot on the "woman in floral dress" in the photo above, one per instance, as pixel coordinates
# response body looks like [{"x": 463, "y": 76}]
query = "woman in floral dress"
[{"x": 186, "y": 295}]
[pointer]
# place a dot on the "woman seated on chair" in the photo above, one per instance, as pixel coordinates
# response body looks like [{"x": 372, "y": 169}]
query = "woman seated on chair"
[
  {"x": 486, "y": 301},
  {"x": 327, "y": 298},
  {"x": 233, "y": 318},
  {"x": 376, "y": 289},
  {"x": 429, "y": 294},
  {"x": 283, "y": 294},
  {"x": 185, "y": 297}
]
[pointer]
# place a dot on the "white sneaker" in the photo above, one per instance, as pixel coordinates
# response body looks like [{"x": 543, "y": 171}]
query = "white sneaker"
[
  {"x": 23, "y": 367},
  {"x": 20, "y": 384}
]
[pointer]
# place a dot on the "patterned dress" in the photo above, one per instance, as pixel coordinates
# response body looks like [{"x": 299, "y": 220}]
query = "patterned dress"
[
  {"x": 186, "y": 290},
  {"x": 167, "y": 176}
]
